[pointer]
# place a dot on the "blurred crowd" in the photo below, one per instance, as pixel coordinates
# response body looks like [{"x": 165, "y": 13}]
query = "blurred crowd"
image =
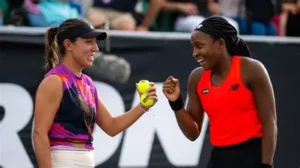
[{"x": 249, "y": 17}]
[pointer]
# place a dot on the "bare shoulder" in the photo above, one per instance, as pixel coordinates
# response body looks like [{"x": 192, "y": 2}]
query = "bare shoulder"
[
  {"x": 252, "y": 69},
  {"x": 50, "y": 84},
  {"x": 51, "y": 80},
  {"x": 48, "y": 98},
  {"x": 250, "y": 65},
  {"x": 195, "y": 75}
]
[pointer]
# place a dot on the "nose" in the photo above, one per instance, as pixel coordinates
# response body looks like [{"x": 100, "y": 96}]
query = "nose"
[
  {"x": 95, "y": 48},
  {"x": 195, "y": 53}
]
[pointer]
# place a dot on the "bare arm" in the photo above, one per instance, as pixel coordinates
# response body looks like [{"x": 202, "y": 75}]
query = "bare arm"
[
  {"x": 288, "y": 7},
  {"x": 282, "y": 24},
  {"x": 114, "y": 125},
  {"x": 153, "y": 10},
  {"x": 260, "y": 84},
  {"x": 190, "y": 120},
  {"x": 213, "y": 6},
  {"x": 184, "y": 7},
  {"x": 171, "y": 6},
  {"x": 48, "y": 98}
]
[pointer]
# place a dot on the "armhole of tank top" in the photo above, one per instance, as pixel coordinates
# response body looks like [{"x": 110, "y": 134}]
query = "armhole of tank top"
[
  {"x": 240, "y": 74},
  {"x": 64, "y": 86}
]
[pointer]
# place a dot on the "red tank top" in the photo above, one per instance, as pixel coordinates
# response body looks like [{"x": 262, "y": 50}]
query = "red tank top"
[{"x": 230, "y": 107}]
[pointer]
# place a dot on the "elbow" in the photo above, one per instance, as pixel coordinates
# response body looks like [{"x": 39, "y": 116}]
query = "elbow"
[
  {"x": 192, "y": 137},
  {"x": 270, "y": 128},
  {"x": 275, "y": 130},
  {"x": 112, "y": 133},
  {"x": 191, "y": 133},
  {"x": 113, "y": 130},
  {"x": 39, "y": 136},
  {"x": 36, "y": 134},
  {"x": 195, "y": 134},
  {"x": 109, "y": 128}
]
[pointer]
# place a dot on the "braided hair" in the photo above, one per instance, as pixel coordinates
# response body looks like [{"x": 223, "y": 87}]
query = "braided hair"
[{"x": 218, "y": 27}]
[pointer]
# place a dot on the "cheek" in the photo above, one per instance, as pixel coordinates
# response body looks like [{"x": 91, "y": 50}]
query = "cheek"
[
  {"x": 206, "y": 52},
  {"x": 81, "y": 52},
  {"x": 203, "y": 51},
  {"x": 212, "y": 54},
  {"x": 78, "y": 54}
]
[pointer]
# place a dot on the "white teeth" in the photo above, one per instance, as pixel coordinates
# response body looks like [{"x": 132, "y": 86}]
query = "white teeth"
[
  {"x": 200, "y": 60},
  {"x": 91, "y": 58}
]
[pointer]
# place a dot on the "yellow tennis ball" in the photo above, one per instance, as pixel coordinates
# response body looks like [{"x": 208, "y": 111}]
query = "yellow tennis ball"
[
  {"x": 143, "y": 86},
  {"x": 147, "y": 102}
]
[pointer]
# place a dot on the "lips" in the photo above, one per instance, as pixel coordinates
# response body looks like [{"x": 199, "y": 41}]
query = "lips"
[
  {"x": 200, "y": 60},
  {"x": 91, "y": 58}
]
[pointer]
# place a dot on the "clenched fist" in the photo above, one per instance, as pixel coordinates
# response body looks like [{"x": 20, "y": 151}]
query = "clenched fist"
[{"x": 171, "y": 88}]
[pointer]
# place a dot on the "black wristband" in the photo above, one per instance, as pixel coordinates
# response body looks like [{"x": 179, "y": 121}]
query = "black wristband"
[
  {"x": 263, "y": 165},
  {"x": 177, "y": 104}
]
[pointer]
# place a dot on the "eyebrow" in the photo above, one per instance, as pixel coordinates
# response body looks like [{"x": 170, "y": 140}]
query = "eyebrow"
[{"x": 199, "y": 42}]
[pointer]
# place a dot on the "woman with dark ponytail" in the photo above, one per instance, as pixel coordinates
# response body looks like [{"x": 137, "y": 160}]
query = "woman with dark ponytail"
[
  {"x": 234, "y": 91},
  {"x": 67, "y": 106},
  {"x": 51, "y": 49}
]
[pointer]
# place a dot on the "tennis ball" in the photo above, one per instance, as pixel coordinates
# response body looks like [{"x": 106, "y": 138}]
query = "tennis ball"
[
  {"x": 143, "y": 86},
  {"x": 147, "y": 102}
]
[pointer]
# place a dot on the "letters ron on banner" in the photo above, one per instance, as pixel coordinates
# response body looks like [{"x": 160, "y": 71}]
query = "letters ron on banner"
[{"x": 155, "y": 140}]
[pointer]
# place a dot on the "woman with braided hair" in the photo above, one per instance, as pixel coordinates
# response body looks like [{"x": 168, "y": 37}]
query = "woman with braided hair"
[{"x": 235, "y": 92}]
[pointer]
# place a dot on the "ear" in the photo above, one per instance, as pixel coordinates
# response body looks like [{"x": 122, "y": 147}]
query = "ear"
[
  {"x": 68, "y": 44},
  {"x": 221, "y": 42}
]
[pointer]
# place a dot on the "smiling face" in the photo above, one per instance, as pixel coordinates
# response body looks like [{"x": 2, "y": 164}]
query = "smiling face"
[
  {"x": 83, "y": 51},
  {"x": 207, "y": 50}
]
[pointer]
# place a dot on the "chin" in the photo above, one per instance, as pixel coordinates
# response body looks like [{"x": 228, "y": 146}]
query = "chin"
[
  {"x": 87, "y": 64},
  {"x": 205, "y": 67}
]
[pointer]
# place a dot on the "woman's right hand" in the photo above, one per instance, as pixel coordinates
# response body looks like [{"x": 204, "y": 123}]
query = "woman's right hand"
[{"x": 171, "y": 88}]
